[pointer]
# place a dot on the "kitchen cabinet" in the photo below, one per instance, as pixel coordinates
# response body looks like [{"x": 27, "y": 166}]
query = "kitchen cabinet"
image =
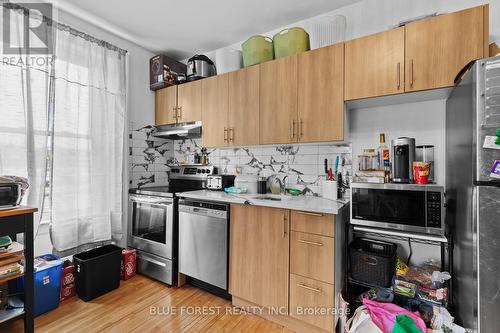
[
  {"x": 278, "y": 101},
  {"x": 165, "y": 106},
  {"x": 321, "y": 94},
  {"x": 215, "y": 101},
  {"x": 374, "y": 65},
  {"x": 178, "y": 104},
  {"x": 259, "y": 255},
  {"x": 189, "y": 102},
  {"x": 437, "y": 48},
  {"x": 243, "y": 126}
]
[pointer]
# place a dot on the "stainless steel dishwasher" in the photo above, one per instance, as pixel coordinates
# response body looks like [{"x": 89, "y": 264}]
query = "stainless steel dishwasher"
[{"x": 203, "y": 241}]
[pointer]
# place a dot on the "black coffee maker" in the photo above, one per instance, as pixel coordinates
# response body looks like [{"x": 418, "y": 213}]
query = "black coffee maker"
[{"x": 403, "y": 156}]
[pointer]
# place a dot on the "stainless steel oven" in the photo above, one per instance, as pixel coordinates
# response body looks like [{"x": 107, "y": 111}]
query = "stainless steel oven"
[
  {"x": 151, "y": 229},
  {"x": 407, "y": 207}
]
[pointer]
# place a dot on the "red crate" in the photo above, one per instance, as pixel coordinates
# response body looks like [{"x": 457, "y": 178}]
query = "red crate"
[
  {"x": 128, "y": 267},
  {"x": 68, "y": 288}
]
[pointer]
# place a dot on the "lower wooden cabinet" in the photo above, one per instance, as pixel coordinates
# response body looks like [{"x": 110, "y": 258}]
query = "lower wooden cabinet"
[
  {"x": 259, "y": 255},
  {"x": 312, "y": 301},
  {"x": 289, "y": 272}
]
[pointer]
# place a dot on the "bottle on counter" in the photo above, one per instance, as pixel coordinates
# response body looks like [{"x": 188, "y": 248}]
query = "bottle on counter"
[{"x": 383, "y": 154}]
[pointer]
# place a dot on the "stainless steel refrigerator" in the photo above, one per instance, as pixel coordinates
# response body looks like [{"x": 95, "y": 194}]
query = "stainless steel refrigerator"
[{"x": 473, "y": 195}]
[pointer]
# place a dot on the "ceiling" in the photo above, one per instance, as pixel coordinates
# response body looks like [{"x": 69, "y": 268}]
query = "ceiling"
[{"x": 181, "y": 28}]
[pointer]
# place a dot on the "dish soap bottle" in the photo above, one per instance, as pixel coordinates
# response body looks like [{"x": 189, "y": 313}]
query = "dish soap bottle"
[{"x": 383, "y": 154}]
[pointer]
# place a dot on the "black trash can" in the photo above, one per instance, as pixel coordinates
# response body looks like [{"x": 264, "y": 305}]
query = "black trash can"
[{"x": 97, "y": 271}]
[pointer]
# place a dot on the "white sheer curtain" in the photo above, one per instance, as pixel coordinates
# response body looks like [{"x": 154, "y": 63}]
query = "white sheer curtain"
[
  {"x": 89, "y": 125},
  {"x": 62, "y": 126}
]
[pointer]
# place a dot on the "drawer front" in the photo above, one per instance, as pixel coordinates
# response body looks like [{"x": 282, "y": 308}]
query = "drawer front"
[
  {"x": 312, "y": 301},
  {"x": 312, "y": 256},
  {"x": 314, "y": 223}
]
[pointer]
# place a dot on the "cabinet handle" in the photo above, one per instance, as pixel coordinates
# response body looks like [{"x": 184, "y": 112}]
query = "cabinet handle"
[
  {"x": 301, "y": 134},
  {"x": 292, "y": 128},
  {"x": 231, "y": 134},
  {"x": 399, "y": 75},
  {"x": 225, "y": 134},
  {"x": 316, "y": 290},
  {"x": 174, "y": 113},
  {"x": 309, "y": 213},
  {"x": 411, "y": 73},
  {"x": 310, "y": 243},
  {"x": 283, "y": 226},
  {"x": 180, "y": 112}
]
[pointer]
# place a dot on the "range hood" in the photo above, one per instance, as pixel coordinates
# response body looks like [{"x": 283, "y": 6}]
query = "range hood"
[{"x": 190, "y": 130}]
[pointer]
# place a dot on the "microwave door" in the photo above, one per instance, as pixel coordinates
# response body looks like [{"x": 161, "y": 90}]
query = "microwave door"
[{"x": 395, "y": 209}]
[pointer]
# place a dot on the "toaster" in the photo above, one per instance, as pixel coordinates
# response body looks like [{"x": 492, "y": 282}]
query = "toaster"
[
  {"x": 10, "y": 195},
  {"x": 220, "y": 182}
]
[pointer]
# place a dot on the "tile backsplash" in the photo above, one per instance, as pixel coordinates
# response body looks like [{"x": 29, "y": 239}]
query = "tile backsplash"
[{"x": 301, "y": 164}]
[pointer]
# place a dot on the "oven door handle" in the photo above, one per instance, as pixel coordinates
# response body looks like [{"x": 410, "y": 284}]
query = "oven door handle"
[
  {"x": 153, "y": 261},
  {"x": 145, "y": 199}
]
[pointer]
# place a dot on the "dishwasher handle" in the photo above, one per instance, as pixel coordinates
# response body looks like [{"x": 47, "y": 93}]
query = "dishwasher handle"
[{"x": 222, "y": 214}]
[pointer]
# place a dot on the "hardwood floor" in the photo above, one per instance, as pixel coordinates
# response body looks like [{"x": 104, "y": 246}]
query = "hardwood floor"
[{"x": 131, "y": 309}]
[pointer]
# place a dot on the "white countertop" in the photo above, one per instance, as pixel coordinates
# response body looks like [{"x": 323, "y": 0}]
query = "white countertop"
[{"x": 303, "y": 202}]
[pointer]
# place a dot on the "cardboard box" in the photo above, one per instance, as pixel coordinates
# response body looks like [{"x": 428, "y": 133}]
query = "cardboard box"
[{"x": 129, "y": 263}]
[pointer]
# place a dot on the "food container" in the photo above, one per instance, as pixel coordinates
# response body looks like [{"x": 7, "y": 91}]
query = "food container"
[
  {"x": 228, "y": 60},
  {"x": 256, "y": 50},
  {"x": 262, "y": 185},
  {"x": 129, "y": 264},
  {"x": 425, "y": 153},
  {"x": 368, "y": 161},
  {"x": 421, "y": 172},
  {"x": 68, "y": 287},
  {"x": 290, "y": 41},
  {"x": 246, "y": 182}
]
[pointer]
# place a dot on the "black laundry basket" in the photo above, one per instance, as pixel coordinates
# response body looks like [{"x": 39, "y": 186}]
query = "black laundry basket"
[
  {"x": 372, "y": 261},
  {"x": 97, "y": 271}
]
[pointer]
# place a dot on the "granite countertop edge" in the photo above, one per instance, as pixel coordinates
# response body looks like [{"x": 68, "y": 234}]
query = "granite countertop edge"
[{"x": 302, "y": 203}]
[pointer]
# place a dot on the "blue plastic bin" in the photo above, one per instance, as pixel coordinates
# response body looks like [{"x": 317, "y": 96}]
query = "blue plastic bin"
[{"x": 47, "y": 284}]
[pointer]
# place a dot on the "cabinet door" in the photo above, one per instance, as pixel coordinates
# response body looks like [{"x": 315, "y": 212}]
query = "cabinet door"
[
  {"x": 165, "y": 105},
  {"x": 374, "y": 65},
  {"x": 439, "y": 47},
  {"x": 321, "y": 94},
  {"x": 259, "y": 255},
  {"x": 189, "y": 102},
  {"x": 215, "y": 102},
  {"x": 244, "y": 106},
  {"x": 278, "y": 101}
]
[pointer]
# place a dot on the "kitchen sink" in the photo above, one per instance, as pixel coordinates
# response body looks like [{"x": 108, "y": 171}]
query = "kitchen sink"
[{"x": 270, "y": 198}]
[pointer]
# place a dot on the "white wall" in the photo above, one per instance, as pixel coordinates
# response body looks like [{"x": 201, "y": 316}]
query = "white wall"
[
  {"x": 140, "y": 100},
  {"x": 424, "y": 121}
]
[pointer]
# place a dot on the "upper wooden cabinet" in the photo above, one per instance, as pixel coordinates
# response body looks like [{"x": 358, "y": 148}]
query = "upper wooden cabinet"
[
  {"x": 215, "y": 101},
  {"x": 165, "y": 106},
  {"x": 189, "y": 102},
  {"x": 278, "y": 101},
  {"x": 244, "y": 106},
  {"x": 374, "y": 65},
  {"x": 438, "y": 48},
  {"x": 321, "y": 94},
  {"x": 259, "y": 255}
]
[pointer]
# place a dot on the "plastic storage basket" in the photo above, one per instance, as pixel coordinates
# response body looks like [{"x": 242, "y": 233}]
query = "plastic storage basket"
[
  {"x": 372, "y": 261},
  {"x": 47, "y": 283},
  {"x": 97, "y": 271},
  {"x": 290, "y": 41},
  {"x": 256, "y": 50},
  {"x": 228, "y": 60}
]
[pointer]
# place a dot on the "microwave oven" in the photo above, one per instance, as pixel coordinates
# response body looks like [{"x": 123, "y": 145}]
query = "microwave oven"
[
  {"x": 10, "y": 195},
  {"x": 404, "y": 207}
]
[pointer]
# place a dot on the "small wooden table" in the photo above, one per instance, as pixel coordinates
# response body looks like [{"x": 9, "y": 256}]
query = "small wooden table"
[{"x": 13, "y": 222}]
